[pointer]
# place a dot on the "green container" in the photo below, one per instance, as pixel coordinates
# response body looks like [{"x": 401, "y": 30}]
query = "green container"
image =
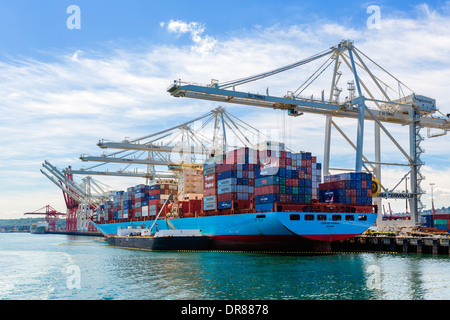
[{"x": 307, "y": 199}]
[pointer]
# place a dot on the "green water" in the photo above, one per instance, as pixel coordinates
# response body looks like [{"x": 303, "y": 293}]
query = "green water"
[{"x": 60, "y": 267}]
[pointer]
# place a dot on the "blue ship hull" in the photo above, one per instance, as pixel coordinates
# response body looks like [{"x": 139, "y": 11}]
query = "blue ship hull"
[{"x": 263, "y": 231}]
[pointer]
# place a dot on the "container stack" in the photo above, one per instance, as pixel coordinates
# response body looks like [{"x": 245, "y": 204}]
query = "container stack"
[
  {"x": 285, "y": 178},
  {"x": 236, "y": 179},
  {"x": 117, "y": 205},
  {"x": 209, "y": 186},
  {"x": 127, "y": 205},
  {"x": 347, "y": 188},
  {"x": 158, "y": 194},
  {"x": 228, "y": 180},
  {"x": 141, "y": 198},
  {"x": 441, "y": 222},
  {"x": 137, "y": 202}
]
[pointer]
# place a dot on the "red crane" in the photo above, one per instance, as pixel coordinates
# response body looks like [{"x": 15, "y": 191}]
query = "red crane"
[
  {"x": 72, "y": 206},
  {"x": 51, "y": 216}
]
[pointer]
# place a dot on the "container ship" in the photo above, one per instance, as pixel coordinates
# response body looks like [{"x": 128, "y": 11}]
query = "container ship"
[
  {"x": 39, "y": 228},
  {"x": 249, "y": 200}
]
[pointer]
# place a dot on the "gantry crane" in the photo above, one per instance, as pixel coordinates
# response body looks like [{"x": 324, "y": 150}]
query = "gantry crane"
[
  {"x": 373, "y": 100},
  {"x": 51, "y": 215},
  {"x": 81, "y": 199},
  {"x": 179, "y": 148}
]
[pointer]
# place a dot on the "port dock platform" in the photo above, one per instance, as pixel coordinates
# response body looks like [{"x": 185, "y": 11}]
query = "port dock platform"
[{"x": 419, "y": 244}]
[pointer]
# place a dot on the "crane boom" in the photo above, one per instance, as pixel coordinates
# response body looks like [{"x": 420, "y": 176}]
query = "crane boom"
[{"x": 413, "y": 110}]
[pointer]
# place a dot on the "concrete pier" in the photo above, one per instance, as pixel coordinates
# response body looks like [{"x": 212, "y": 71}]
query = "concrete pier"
[{"x": 395, "y": 244}]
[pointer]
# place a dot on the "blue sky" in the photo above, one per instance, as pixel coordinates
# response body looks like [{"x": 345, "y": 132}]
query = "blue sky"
[
  {"x": 63, "y": 90},
  {"x": 28, "y": 26}
]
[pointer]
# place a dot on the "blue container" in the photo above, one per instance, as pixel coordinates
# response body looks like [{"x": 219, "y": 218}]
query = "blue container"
[
  {"x": 267, "y": 198},
  {"x": 224, "y": 204},
  {"x": 227, "y": 174},
  {"x": 227, "y": 189},
  {"x": 226, "y": 182},
  {"x": 267, "y": 181},
  {"x": 154, "y": 197}
]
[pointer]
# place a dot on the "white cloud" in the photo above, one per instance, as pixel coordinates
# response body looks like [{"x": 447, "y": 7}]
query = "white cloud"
[{"x": 203, "y": 44}]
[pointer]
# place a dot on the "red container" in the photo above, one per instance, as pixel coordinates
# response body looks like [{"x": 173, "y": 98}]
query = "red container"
[
  {"x": 209, "y": 192},
  {"x": 225, "y": 167},
  {"x": 271, "y": 189},
  {"x": 242, "y": 204},
  {"x": 154, "y": 192},
  {"x": 227, "y": 196},
  {"x": 339, "y": 184},
  {"x": 210, "y": 181}
]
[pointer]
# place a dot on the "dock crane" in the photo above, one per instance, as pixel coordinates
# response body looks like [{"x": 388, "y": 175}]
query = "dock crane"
[
  {"x": 81, "y": 198},
  {"x": 51, "y": 215},
  {"x": 180, "y": 148},
  {"x": 413, "y": 111}
]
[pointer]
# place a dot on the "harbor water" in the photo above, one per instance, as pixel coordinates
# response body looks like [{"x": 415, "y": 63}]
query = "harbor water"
[{"x": 62, "y": 267}]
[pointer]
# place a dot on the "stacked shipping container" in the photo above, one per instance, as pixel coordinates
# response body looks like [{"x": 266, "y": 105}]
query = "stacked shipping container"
[
  {"x": 244, "y": 179},
  {"x": 441, "y": 222},
  {"x": 262, "y": 177},
  {"x": 347, "y": 188},
  {"x": 286, "y": 178},
  {"x": 228, "y": 180},
  {"x": 137, "y": 202}
]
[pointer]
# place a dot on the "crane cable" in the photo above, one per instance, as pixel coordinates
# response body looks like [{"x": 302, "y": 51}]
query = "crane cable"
[{"x": 275, "y": 71}]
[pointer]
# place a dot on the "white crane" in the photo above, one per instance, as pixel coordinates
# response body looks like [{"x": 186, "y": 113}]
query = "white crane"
[
  {"x": 375, "y": 99},
  {"x": 89, "y": 194}
]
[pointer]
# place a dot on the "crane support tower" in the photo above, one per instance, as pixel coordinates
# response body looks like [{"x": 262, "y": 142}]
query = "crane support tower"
[{"x": 370, "y": 98}]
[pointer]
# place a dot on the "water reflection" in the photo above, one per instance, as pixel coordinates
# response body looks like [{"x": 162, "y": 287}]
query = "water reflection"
[
  {"x": 410, "y": 277},
  {"x": 37, "y": 268}
]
